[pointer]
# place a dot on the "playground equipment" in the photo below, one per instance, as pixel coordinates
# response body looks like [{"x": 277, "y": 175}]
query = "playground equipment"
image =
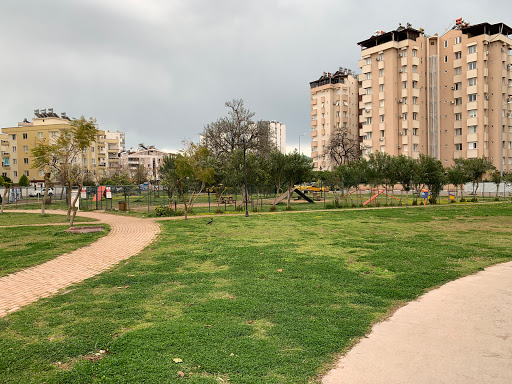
[
  {"x": 291, "y": 190},
  {"x": 99, "y": 193},
  {"x": 379, "y": 192}
]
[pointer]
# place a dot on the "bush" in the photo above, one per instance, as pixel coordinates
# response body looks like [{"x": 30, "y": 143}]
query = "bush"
[
  {"x": 272, "y": 208},
  {"x": 474, "y": 200},
  {"x": 330, "y": 206},
  {"x": 166, "y": 211},
  {"x": 219, "y": 211}
]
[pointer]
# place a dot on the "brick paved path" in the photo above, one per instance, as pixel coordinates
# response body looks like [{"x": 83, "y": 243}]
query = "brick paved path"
[{"x": 128, "y": 236}]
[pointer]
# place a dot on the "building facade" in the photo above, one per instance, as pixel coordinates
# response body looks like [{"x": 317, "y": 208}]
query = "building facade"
[
  {"x": 279, "y": 135},
  {"x": 17, "y": 143},
  {"x": 334, "y": 106},
  {"x": 149, "y": 158},
  {"x": 445, "y": 96}
]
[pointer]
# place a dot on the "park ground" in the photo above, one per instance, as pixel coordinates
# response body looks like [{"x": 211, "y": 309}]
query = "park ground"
[{"x": 272, "y": 298}]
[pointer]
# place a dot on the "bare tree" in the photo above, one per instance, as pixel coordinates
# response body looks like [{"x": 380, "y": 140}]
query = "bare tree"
[
  {"x": 223, "y": 137},
  {"x": 343, "y": 147}
]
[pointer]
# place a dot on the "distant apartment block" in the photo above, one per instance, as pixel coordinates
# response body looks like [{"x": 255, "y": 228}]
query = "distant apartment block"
[
  {"x": 446, "y": 96},
  {"x": 148, "y": 157},
  {"x": 279, "y": 134},
  {"x": 17, "y": 143},
  {"x": 334, "y": 106}
]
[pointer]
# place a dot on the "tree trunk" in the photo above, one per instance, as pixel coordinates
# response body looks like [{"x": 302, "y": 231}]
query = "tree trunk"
[
  {"x": 289, "y": 195},
  {"x": 6, "y": 190},
  {"x": 69, "y": 186},
  {"x": 183, "y": 199}
]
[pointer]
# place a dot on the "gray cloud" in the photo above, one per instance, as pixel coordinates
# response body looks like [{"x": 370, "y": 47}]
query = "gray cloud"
[{"x": 161, "y": 69}]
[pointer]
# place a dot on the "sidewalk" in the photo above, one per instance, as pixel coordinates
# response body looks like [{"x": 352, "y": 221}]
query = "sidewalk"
[
  {"x": 460, "y": 333},
  {"x": 128, "y": 236}
]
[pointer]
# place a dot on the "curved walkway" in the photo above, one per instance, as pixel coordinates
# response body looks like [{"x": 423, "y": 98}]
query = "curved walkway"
[
  {"x": 460, "y": 333},
  {"x": 127, "y": 237}
]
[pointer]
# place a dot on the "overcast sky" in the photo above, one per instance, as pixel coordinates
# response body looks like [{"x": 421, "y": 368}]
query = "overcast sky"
[{"x": 159, "y": 70}]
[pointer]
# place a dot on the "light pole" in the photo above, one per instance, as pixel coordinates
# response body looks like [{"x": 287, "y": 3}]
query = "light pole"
[
  {"x": 509, "y": 101},
  {"x": 304, "y": 134},
  {"x": 244, "y": 139}
]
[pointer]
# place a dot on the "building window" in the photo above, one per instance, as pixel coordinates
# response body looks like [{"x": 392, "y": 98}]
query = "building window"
[
  {"x": 415, "y": 115},
  {"x": 472, "y": 145},
  {"x": 25, "y": 160},
  {"x": 471, "y": 97},
  {"x": 458, "y": 101},
  {"x": 368, "y": 75},
  {"x": 458, "y": 116},
  {"x": 472, "y": 49},
  {"x": 381, "y": 103},
  {"x": 93, "y": 161},
  {"x": 414, "y": 83},
  {"x": 472, "y": 128},
  {"x": 458, "y": 86},
  {"x": 471, "y": 65},
  {"x": 382, "y": 133},
  {"x": 381, "y": 88},
  {"x": 472, "y": 81},
  {"x": 25, "y": 148},
  {"x": 415, "y": 100},
  {"x": 92, "y": 149},
  {"x": 26, "y": 173},
  {"x": 15, "y": 173},
  {"x": 405, "y": 100},
  {"x": 414, "y": 52},
  {"x": 415, "y": 147},
  {"x": 458, "y": 40},
  {"x": 414, "y": 68},
  {"x": 458, "y": 55},
  {"x": 472, "y": 113},
  {"x": 458, "y": 132},
  {"x": 14, "y": 161},
  {"x": 405, "y": 115},
  {"x": 381, "y": 72},
  {"x": 25, "y": 136},
  {"x": 404, "y": 53},
  {"x": 404, "y": 68},
  {"x": 13, "y": 137},
  {"x": 381, "y": 118},
  {"x": 415, "y": 131},
  {"x": 41, "y": 173},
  {"x": 39, "y": 135},
  {"x": 368, "y": 120},
  {"x": 404, "y": 84},
  {"x": 381, "y": 56},
  {"x": 458, "y": 70},
  {"x": 368, "y": 60},
  {"x": 446, "y": 59},
  {"x": 14, "y": 148},
  {"x": 446, "y": 43},
  {"x": 458, "y": 147}
]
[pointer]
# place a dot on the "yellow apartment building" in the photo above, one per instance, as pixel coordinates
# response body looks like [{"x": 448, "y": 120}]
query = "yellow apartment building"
[
  {"x": 18, "y": 141},
  {"x": 447, "y": 96},
  {"x": 334, "y": 105}
]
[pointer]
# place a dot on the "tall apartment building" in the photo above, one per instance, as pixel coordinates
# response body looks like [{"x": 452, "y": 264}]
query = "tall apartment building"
[
  {"x": 334, "y": 105},
  {"x": 445, "y": 96},
  {"x": 279, "y": 131},
  {"x": 17, "y": 143}
]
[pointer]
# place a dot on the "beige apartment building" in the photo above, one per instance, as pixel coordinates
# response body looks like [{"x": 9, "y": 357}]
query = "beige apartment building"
[
  {"x": 445, "y": 96},
  {"x": 334, "y": 105},
  {"x": 278, "y": 131},
  {"x": 17, "y": 143}
]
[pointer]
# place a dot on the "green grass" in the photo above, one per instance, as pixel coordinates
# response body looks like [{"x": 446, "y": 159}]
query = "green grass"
[
  {"x": 24, "y": 247},
  {"x": 264, "y": 299},
  {"x": 20, "y": 218}
]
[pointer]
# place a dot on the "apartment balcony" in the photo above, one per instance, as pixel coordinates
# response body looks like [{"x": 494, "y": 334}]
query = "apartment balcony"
[
  {"x": 472, "y": 57},
  {"x": 6, "y": 154},
  {"x": 471, "y": 105},
  {"x": 314, "y": 133},
  {"x": 381, "y": 95},
  {"x": 404, "y": 93},
  {"x": 472, "y": 137},
  {"x": 102, "y": 165},
  {"x": 415, "y": 108},
  {"x": 472, "y": 121},
  {"x": 380, "y": 65},
  {"x": 381, "y": 80},
  {"x": 415, "y": 124},
  {"x": 314, "y": 112},
  {"x": 113, "y": 150},
  {"x": 415, "y": 92},
  {"x": 314, "y": 123},
  {"x": 405, "y": 140},
  {"x": 5, "y": 142},
  {"x": 113, "y": 159},
  {"x": 415, "y": 76},
  {"x": 457, "y": 154},
  {"x": 322, "y": 110},
  {"x": 314, "y": 143},
  {"x": 362, "y": 91},
  {"x": 366, "y": 68},
  {"x": 322, "y": 99},
  {"x": 471, "y": 73},
  {"x": 457, "y": 139},
  {"x": 457, "y": 124},
  {"x": 471, "y": 89},
  {"x": 405, "y": 124},
  {"x": 472, "y": 153},
  {"x": 457, "y": 79},
  {"x": 367, "y": 99},
  {"x": 313, "y": 102},
  {"x": 457, "y": 63},
  {"x": 6, "y": 166},
  {"x": 415, "y": 139},
  {"x": 405, "y": 108},
  {"x": 366, "y": 83},
  {"x": 415, "y": 60},
  {"x": 322, "y": 121},
  {"x": 314, "y": 154},
  {"x": 403, "y": 76},
  {"x": 403, "y": 61}
]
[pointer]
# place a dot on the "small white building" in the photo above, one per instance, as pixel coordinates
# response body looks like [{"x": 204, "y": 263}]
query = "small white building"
[{"x": 149, "y": 157}]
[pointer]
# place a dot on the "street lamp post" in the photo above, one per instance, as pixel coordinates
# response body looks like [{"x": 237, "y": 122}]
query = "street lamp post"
[
  {"x": 244, "y": 139},
  {"x": 509, "y": 101},
  {"x": 304, "y": 134}
]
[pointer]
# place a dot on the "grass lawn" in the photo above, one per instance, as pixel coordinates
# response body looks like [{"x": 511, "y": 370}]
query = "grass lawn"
[
  {"x": 24, "y": 247},
  {"x": 264, "y": 299},
  {"x": 14, "y": 218}
]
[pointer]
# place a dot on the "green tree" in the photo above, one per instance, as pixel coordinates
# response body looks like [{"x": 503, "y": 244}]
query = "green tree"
[
  {"x": 432, "y": 175},
  {"x": 297, "y": 169},
  {"x": 140, "y": 174},
  {"x": 193, "y": 172},
  {"x": 168, "y": 176},
  {"x": 496, "y": 179},
  {"x": 24, "y": 181},
  {"x": 5, "y": 182},
  {"x": 457, "y": 176},
  {"x": 277, "y": 163},
  {"x": 62, "y": 157},
  {"x": 405, "y": 168},
  {"x": 475, "y": 169}
]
